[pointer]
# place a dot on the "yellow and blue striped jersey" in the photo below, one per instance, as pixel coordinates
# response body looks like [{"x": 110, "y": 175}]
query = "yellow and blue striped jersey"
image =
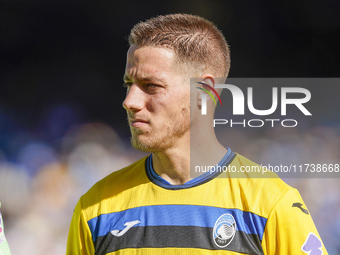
[{"x": 135, "y": 211}]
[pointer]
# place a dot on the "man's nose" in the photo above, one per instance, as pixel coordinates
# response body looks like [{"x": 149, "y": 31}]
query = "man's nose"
[{"x": 134, "y": 100}]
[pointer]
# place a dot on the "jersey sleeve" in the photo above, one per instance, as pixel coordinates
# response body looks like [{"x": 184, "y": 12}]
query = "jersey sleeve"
[
  {"x": 290, "y": 229},
  {"x": 79, "y": 238}
]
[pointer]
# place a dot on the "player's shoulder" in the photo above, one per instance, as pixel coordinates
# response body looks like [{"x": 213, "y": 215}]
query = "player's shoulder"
[
  {"x": 133, "y": 171},
  {"x": 116, "y": 182},
  {"x": 260, "y": 191},
  {"x": 262, "y": 180}
]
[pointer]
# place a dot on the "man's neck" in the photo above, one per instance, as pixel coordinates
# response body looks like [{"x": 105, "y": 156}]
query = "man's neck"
[{"x": 173, "y": 164}]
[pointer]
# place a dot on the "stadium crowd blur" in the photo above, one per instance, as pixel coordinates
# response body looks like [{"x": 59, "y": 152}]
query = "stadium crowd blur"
[
  {"x": 62, "y": 127},
  {"x": 40, "y": 188}
]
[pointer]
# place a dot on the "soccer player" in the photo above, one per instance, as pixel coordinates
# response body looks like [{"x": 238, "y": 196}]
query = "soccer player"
[
  {"x": 154, "y": 206},
  {"x": 4, "y": 249}
]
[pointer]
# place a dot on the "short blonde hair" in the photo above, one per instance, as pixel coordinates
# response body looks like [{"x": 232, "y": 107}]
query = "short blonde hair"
[{"x": 193, "y": 39}]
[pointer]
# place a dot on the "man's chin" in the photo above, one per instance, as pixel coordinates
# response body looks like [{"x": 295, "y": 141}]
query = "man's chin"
[{"x": 144, "y": 146}]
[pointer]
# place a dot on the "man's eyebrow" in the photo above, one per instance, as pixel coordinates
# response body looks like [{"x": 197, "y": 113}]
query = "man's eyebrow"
[{"x": 144, "y": 79}]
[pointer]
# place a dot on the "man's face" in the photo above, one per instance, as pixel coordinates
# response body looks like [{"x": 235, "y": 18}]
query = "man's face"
[{"x": 157, "y": 100}]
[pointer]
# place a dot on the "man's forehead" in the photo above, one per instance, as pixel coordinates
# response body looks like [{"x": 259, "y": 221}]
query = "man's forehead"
[
  {"x": 142, "y": 54},
  {"x": 148, "y": 62}
]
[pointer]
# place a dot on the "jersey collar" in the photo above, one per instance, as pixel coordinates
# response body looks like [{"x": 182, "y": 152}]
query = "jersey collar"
[{"x": 156, "y": 179}]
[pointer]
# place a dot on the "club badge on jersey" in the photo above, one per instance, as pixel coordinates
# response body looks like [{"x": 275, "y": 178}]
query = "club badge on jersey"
[
  {"x": 4, "y": 249},
  {"x": 224, "y": 230}
]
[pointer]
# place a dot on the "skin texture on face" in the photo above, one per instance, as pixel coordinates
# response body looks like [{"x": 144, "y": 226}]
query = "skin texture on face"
[{"x": 157, "y": 100}]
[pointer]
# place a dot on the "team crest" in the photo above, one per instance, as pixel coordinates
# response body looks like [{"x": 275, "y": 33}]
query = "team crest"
[{"x": 224, "y": 230}]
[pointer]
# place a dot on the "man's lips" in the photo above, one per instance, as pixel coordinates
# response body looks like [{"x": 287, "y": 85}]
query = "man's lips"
[{"x": 138, "y": 122}]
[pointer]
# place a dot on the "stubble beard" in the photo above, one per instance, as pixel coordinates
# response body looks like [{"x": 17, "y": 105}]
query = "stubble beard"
[{"x": 165, "y": 136}]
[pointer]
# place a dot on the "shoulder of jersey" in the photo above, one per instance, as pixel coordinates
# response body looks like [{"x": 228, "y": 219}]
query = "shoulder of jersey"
[
  {"x": 125, "y": 178},
  {"x": 269, "y": 182}
]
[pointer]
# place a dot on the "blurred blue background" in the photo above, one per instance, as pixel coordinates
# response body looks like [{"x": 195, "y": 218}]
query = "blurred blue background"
[{"x": 62, "y": 127}]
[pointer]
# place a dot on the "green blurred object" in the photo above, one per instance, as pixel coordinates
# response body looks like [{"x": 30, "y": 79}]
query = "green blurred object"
[{"x": 4, "y": 249}]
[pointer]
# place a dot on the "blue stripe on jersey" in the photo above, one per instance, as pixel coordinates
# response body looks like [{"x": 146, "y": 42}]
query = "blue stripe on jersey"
[{"x": 175, "y": 215}]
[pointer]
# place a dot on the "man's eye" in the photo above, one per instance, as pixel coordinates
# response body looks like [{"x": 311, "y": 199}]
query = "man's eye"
[{"x": 151, "y": 85}]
